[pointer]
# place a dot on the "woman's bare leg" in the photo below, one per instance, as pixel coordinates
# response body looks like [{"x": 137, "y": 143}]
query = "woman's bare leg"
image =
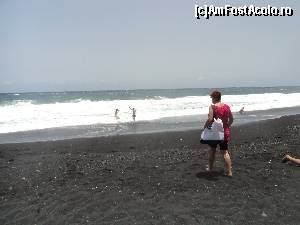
[
  {"x": 228, "y": 163},
  {"x": 211, "y": 158}
]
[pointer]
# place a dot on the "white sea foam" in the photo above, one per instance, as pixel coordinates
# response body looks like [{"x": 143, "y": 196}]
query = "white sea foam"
[{"x": 24, "y": 115}]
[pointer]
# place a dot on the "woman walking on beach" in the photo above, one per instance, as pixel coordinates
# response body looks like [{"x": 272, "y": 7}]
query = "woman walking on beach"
[{"x": 223, "y": 112}]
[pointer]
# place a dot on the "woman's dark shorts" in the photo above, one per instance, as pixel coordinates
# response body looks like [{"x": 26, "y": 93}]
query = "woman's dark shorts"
[{"x": 223, "y": 145}]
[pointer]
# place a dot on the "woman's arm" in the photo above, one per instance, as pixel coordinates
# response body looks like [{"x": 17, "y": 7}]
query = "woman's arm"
[
  {"x": 210, "y": 118},
  {"x": 292, "y": 159}
]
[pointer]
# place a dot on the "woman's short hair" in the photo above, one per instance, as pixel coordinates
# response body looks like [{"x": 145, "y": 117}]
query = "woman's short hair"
[{"x": 216, "y": 95}]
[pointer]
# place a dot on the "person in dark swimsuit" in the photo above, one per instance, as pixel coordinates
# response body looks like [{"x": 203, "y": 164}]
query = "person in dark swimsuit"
[
  {"x": 242, "y": 110},
  {"x": 223, "y": 112},
  {"x": 116, "y": 114},
  {"x": 133, "y": 113}
]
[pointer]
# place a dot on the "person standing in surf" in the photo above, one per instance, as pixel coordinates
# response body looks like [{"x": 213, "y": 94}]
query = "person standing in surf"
[
  {"x": 116, "y": 114},
  {"x": 133, "y": 113},
  {"x": 222, "y": 111}
]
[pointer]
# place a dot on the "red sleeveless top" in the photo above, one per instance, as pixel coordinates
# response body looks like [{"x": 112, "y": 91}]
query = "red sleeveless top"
[{"x": 223, "y": 112}]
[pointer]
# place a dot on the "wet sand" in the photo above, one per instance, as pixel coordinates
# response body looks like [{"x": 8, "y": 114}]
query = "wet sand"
[{"x": 155, "y": 178}]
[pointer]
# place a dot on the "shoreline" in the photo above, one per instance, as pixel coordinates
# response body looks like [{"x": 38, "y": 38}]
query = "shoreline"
[
  {"x": 170, "y": 124},
  {"x": 154, "y": 178}
]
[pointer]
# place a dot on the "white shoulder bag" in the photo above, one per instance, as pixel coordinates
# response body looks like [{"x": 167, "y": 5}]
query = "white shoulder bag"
[{"x": 214, "y": 134}]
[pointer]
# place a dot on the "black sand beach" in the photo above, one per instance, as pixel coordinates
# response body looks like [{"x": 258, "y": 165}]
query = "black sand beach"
[{"x": 153, "y": 179}]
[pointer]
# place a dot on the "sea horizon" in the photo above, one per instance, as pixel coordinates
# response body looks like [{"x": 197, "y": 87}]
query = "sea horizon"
[{"x": 142, "y": 89}]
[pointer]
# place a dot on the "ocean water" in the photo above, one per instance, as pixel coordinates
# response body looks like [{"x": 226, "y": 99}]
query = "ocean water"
[{"x": 44, "y": 115}]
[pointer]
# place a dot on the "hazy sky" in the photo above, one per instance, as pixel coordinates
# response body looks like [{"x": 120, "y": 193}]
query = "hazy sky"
[{"x": 56, "y": 45}]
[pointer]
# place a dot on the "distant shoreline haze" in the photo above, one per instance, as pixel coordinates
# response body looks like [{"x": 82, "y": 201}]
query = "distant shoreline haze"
[{"x": 141, "y": 89}]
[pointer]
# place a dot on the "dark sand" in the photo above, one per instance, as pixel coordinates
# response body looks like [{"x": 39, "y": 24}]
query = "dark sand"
[{"x": 153, "y": 179}]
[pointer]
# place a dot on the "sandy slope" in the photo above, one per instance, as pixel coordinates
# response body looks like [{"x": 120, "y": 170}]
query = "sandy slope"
[{"x": 153, "y": 179}]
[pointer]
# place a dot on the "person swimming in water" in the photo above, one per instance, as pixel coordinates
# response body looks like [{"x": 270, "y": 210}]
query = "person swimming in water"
[{"x": 242, "y": 110}]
